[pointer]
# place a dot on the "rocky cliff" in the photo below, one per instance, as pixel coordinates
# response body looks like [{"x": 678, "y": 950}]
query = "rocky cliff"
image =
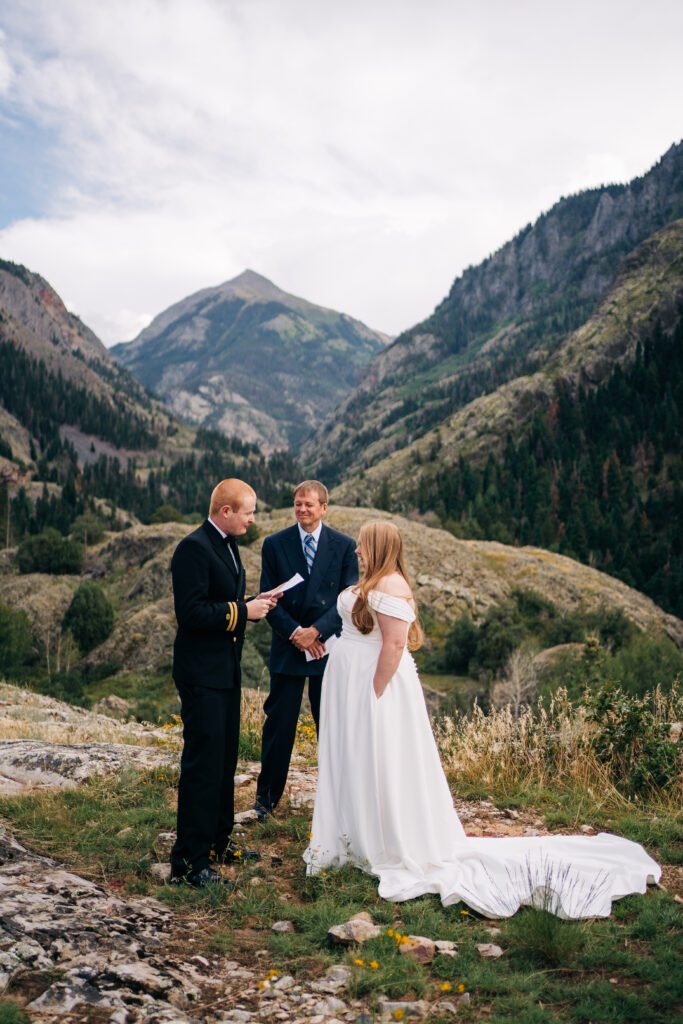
[{"x": 502, "y": 320}]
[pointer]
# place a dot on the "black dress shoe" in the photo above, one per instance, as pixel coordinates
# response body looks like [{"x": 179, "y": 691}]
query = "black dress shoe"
[
  {"x": 200, "y": 879},
  {"x": 262, "y": 812},
  {"x": 236, "y": 854}
]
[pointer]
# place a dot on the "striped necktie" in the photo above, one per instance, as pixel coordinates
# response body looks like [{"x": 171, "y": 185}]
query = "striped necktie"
[{"x": 309, "y": 551}]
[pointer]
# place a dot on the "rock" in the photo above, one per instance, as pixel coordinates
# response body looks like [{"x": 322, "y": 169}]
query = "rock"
[
  {"x": 446, "y": 948},
  {"x": 489, "y": 950},
  {"x": 62, "y": 996},
  {"x": 329, "y": 1006},
  {"x": 358, "y": 929},
  {"x": 419, "y": 949},
  {"x": 236, "y": 1017},
  {"x": 416, "y": 1009},
  {"x": 242, "y": 780},
  {"x": 243, "y": 816},
  {"x": 163, "y": 844},
  {"x": 302, "y": 799},
  {"x": 114, "y": 707},
  {"x": 334, "y": 979},
  {"x": 284, "y": 983},
  {"x": 282, "y": 926},
  {"x": 140, "y": 975},
  {"x": 587, "y": 830},
  {"x": 161, "y": 871},
  {"x": 493, "y": 931},
  {"x": 510, "y": 813},
  {"x": 445, "y": 1006},
  {"x": 37, "y": 763},
  {"x": 124, "y": 832}
]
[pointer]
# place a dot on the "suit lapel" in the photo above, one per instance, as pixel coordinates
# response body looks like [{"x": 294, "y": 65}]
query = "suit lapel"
[
  {"x": 221, "y": 550},
  {"x": 294, "y": 552}
]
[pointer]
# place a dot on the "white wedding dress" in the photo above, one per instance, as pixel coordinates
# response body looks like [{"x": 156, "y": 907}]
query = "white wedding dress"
[{"x": 383, "y": 803}]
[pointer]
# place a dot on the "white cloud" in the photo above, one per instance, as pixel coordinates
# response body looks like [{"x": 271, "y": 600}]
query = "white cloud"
[{"x": 359, "y": 154}]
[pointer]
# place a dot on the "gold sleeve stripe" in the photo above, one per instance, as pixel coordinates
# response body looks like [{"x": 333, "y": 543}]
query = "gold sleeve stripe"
[{"x": 231, "y": 616}]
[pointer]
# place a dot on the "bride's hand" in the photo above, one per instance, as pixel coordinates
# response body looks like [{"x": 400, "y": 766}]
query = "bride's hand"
[{"x": 379, "y": 690}]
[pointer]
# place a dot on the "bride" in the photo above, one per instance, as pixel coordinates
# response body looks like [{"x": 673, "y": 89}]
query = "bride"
[{"x": 383, "y": 802}]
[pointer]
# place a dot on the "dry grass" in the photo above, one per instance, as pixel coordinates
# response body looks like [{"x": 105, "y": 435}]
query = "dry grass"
[
  {"x": 546, "y": 746},
  {"x": 542, "y": 747}
]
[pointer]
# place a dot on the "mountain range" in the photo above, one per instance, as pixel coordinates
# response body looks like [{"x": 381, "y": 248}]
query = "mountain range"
[
  {"x": 541, "y": 403},
  {"x": 252, "y": 361},
  {"x": 501, "y": 321}
]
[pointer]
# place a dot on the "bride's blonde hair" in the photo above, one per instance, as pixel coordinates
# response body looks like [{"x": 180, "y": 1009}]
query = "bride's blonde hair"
[{"x": 381, "y": 546}]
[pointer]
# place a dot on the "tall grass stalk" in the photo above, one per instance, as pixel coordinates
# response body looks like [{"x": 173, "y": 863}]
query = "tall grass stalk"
[{"x": 546, "y": 746}]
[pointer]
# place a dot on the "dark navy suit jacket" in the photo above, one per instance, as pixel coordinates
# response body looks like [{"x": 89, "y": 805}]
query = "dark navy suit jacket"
[{"x": 313, "y": 602}]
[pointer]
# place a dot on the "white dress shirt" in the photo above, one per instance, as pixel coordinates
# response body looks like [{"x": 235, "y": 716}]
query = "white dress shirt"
[{"x": 224, "y": 535}]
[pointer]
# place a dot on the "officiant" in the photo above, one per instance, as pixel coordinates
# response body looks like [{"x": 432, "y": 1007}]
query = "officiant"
[{"x": 304, "y": 618}]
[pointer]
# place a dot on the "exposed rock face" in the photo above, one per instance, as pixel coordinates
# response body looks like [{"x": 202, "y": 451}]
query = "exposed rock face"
[
  {"x": 35, "y": 319},
  {"x": 501, "y": 319},
  {"x": 26, "y": 715},
  {"x": 648, "y": 289},
  {"x": 44, "y": 765},
  {"x": 107, "y": 952},
  {"x": 206, "y": 355}
]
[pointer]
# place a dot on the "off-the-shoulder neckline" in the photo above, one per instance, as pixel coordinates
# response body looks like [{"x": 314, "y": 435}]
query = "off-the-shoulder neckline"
[{"x": 406, "y": 600}]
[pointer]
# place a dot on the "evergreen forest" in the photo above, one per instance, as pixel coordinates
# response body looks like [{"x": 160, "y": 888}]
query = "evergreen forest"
[{"x": 598, "y": 476}]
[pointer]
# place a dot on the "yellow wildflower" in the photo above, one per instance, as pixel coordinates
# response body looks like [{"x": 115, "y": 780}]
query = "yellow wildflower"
[
  {"x": 373, "y": 964},
  {"x": 445, "y": 986},
  {"x": 360, "y": 963},
  {"x": 390, "y": 933},
  {"x": 397, "y": 1014},
  {"x": 461, "y": 987},
  {"x": 465, "y": 913}
]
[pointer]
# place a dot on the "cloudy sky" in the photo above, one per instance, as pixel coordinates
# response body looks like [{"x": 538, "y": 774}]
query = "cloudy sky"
[{"x": 359, "y": 153}]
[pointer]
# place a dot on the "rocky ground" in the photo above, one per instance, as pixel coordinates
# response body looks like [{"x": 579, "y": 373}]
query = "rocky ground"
[{"x": 72, "y": 950}]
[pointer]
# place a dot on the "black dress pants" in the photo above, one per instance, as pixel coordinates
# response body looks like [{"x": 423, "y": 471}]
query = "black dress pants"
[
  {"x": 206, "y": 791},
  {"x": 279, "y": 732}
]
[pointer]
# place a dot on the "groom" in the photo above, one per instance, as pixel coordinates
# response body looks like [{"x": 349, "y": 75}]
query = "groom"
[
  {"x": 212, "y": 613},
  {"x": 304, "y": 618}
]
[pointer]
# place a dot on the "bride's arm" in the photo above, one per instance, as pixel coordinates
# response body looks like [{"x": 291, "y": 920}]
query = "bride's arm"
[{"x": 394, "y": 635}]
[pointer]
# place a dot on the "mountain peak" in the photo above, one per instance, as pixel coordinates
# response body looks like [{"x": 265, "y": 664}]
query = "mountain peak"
[{"x": 251, "y": 285}]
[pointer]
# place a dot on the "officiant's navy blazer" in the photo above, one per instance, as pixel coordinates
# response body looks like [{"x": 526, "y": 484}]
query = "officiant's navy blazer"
[{"x": 313, "y": 602}]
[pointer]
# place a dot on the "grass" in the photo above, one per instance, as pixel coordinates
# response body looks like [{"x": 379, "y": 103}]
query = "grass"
[
  {"x": 621, "y": 970},
  {"x": 12, "y": 1013}
]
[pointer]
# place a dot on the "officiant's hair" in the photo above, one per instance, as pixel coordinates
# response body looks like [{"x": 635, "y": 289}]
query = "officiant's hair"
[
  {"x": 230, "y": 492},
  {"x": 316, "y": 487},
  {"x": 381, "y": 544}
]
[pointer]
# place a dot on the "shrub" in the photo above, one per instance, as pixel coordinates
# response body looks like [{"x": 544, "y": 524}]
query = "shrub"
[
  {"x": 16, "y": 645},
  {"x": 632, "y": 734},
  {"x": 461, "y": 645},
  {"x": 88, "y": 529},
  {"x": 90, "y": 616},
  {"x": 250, "y": 536},
  {"x": 50, "y": 552},
  {"x": 167, "y": 514}
]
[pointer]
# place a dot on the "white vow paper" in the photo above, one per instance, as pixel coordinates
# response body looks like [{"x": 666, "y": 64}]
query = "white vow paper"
[
  {"x": 329, "y": 644},
  {"x": 294, "y": 581}
]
